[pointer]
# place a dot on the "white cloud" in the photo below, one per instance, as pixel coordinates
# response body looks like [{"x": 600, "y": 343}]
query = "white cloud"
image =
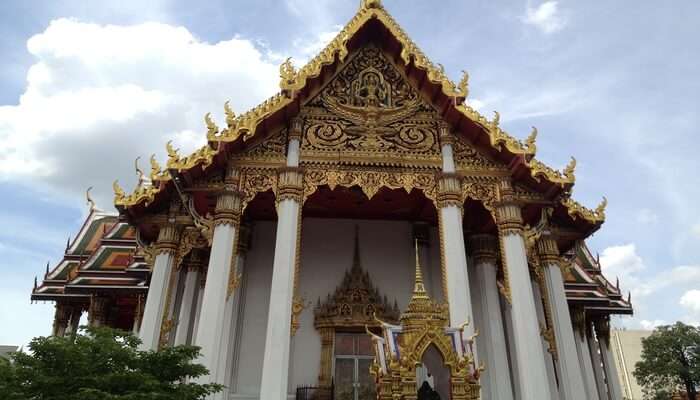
[
  {"x": 545, "y": 17},
  {"x": 622, "y": 262},
  {"x": 98, "y": 96},
  {"x": 650, "y": 325},
  {"x": 647, "y": 217},
  {"x": 691, "y": 300}
]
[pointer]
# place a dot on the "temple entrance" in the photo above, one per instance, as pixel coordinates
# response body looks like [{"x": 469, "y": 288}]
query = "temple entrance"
[{"x": 353, "y": 358}]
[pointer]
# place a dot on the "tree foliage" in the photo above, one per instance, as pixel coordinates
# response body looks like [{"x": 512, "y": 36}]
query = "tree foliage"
[
  {"x": 670, "y": 361},
  {"x": 104, "y": 364}
]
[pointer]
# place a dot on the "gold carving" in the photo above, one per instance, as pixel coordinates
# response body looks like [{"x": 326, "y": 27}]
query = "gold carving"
[
  {"x": 423, "y": 325},
  {"x": 592, "y": 216},
  {"x": 355, "y": 304},
  {"x": 191, "y": 238},
  {"x": 230, "y": 115},
  {"x": 449, "y": 191},
  {"x": 370, "y": 110},
  {"x": 156, "y": 173},
  {"x": 212, "y": 129},
  {"x": 290, "y": 184}
]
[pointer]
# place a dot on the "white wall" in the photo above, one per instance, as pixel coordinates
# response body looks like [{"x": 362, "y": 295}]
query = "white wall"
[{"x": 386, "y": 252}]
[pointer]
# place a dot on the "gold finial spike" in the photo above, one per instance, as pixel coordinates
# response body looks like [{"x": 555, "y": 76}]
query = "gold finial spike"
[
  {"x": 464, "y": 84},
  {"x": 570, "y": 168},
  {"x": 600, "y": 210},
  {"x": 496, "y": 119},
  {"x": 89, "y": 199},
  {"x": 212, "y": 129},
  {"x": 530, "y": 141},
  {"x": 230, "y": 115},
  {"x": 418, "y": 287},
  {"x": 370, "y": 4},
  {"x": 155, "y": 167},
  {"x": 118, "y": 191},
  {"x": 172, "y": 152}
]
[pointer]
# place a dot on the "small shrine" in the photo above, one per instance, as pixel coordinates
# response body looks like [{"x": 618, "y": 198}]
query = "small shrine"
[{"x": 422, "y": 349}]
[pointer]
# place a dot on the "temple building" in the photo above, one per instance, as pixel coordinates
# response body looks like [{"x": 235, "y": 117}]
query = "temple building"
[{"x": 362, "y": 234}]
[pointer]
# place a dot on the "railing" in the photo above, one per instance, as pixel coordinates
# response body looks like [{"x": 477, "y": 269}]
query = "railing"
[{"x": 314, "y": 393}]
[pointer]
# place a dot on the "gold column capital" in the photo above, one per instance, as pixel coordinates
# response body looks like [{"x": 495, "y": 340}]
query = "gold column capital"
[
  {"x": 483, "y": 248},
  {"x": 296, "y": 127},
  {"x": 450, "y": 190},
  {"x": 445, "y": 134},
  {"x": 168, "y": 238},
  {"x": 290, "y": 184},
  {"x": 508, "y": 214},
  {"x": 228, "y": 203},
  {"x": 547, "y": 250}
]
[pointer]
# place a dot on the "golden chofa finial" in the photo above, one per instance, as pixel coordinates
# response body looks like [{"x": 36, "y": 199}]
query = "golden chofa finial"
[
  {"x": 496, "y": 119},
  {"x": 155, "y": 168},
  {"x": 569, "y": 169},
  {"x": 530, "y": 141},
  {"x": 212, "y": 129},
  {"x": 463, "y": 85},
  {"x": 230, "y": 115},
  {"x": 600, "y": 210},
  {"x": 288, "y": 74},
  {"x": 89, "y": 199},
  {"x": 118, "y": 191},
  {"x": 371, "y": 4}
]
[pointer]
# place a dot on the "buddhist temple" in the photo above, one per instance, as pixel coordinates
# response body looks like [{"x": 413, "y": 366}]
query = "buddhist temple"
[{"x": 362, "y": 234}]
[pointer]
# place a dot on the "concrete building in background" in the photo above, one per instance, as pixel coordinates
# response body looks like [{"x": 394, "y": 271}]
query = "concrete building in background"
[
  {"x": 6, "y": 350},
  {"x": 627, "y": 351}
]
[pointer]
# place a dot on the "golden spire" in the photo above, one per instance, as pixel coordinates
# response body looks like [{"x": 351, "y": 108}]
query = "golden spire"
[
  {"x": 569, "y": 169},
  {"x": 530, "y": 141},
  {"x": 230, "y": 115},
  {"x": 418, "y": 286}
]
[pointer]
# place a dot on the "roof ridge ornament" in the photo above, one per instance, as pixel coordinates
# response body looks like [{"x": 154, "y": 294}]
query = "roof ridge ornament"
[
  {"x": 530, "y": 145},
  {"x": 230, "y": 115},
  {"x": 569, "y": 169},
  {"x": 463, "y": 85},
  {"x": 90, "y": 201},
  {"x": 212, "y": 128},
  {"x": 365, "y": 4}
]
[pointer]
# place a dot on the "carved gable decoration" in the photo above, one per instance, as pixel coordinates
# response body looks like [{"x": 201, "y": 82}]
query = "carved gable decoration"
[
  {"x": 355, "y": 302},
  {"x": 369, "y": 110},
  {"x": 272, "y": 149}
]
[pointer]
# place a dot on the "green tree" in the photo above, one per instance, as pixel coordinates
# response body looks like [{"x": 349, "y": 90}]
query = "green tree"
[
  {"x": 102, "y": 364},
  {"x": 670, "y": 361}
]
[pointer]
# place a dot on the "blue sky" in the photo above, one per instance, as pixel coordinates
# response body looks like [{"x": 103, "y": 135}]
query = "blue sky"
[{"x": 85, "y": 89}]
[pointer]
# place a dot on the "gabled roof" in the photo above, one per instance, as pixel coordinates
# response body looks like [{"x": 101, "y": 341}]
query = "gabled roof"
[
  {"x": 586, "y": 285},
  {"x": 103, "y": 256},
  {"x": 296, "y": 86}
]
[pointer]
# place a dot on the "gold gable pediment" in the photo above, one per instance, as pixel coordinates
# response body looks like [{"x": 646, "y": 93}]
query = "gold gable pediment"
[{"x": 369, "y": 114}]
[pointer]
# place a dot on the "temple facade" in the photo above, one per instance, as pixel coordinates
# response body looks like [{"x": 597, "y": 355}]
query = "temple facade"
[{"x": 360, "y": 233}]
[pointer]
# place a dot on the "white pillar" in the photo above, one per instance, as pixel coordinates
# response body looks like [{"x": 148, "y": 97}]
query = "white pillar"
[
  {"x": 184, "y": 320},
  {"x": 198, "y": 302},
  {"x": 548, "y": 359},
  {"x": 495, "y": 381},
  {"x": 597, "y": 363},
  {"x": 158, "y": 287},
  {"x": 212, "y": 315},
  {"x": 450, "y": 203},
  {"x": 579, "y": 321},
  {"x": 275, "y": 374},
  {"x": 232, "y": 316},
  {"x": 602, "y": 327},
  {"x": 528, "y": 353},
  {"x": 571, "y": 384}
]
